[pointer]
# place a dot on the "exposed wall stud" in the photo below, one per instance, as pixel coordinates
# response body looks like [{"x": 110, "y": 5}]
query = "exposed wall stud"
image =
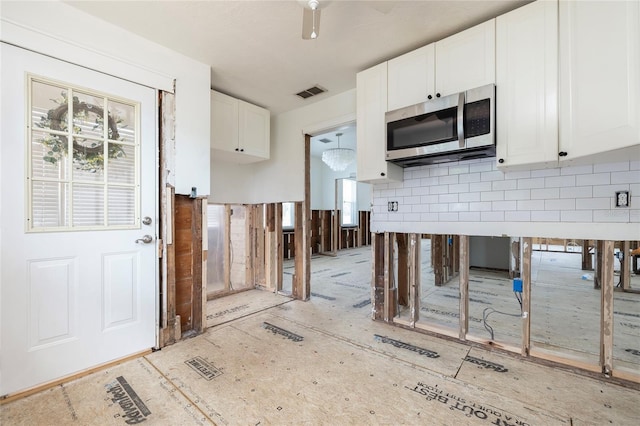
[
  {"x": 606, "y": 306},
  {"x": 464, "y": 287},
  {"x": 526, "y": 295}
]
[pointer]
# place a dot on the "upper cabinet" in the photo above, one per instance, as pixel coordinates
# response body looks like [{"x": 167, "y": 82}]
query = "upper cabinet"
[
  {"x": 411, "y": 77},
  {"x": 599, "y": 80},
  {"x": 527, "y": 86},
  {"x": 466, "y": 60},
  {"x": 240, "y": 131},
  {"x": 371, "y": 105},
  {"x": 461, "y": 62}
]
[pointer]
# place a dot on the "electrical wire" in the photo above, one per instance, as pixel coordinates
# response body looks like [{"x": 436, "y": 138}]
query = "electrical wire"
[{"x": 488, "y": 311}]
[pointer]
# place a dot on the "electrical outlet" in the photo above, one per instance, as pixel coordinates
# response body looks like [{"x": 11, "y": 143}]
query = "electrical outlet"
[
  {"x": 622, "y": 199},
  {"x": 392, "y": 206}
]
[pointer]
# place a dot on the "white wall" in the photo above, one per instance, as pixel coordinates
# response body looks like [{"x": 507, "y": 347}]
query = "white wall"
[
  {"x": 61, "y": 31},
  {"x": 474, "y": 198},
  {"x": 281, "y": 178}
]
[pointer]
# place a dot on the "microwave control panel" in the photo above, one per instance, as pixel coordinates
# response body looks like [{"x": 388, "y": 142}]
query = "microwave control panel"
[{"x": 477, "y": 118}]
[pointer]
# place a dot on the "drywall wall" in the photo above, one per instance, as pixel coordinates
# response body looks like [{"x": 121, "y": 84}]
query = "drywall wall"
[
  {"x": 475, "y": 198},
  {"x": 489, "y": 252},
  {"x": 104, "y": 47},
  {"x": 281, "y": 178}
]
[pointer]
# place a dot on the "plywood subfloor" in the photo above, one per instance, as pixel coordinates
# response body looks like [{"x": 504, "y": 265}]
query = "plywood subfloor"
[{"x": 269, "y": 360}]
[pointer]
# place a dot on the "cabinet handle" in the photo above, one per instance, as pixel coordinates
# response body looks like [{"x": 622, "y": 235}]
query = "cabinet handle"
[
  {"x": 382, "y": 174},
  {"x": 562, "y": 154},
  {"x": 241, "y": 149},
  {"x": 429, "y": 97},
  {"x": 237, "y": 149},
  {"x": 437, "y": 95},
  {"x": 501, "y": 160}
]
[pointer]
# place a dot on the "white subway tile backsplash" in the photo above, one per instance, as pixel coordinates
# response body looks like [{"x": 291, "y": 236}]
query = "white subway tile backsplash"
[
  {"x": 484, "y": 206},
  {"x": 460, "y": 187},
  {"x": 480, "y": 167},
  {"x": 429, "y": 217},
  {"x": 429, "y": 199},
  {"x": 580, "y": 216},
  {"x": 611, "y": 167},
  {"x": 576, "y": 192},
  {"x": 420, "y": 190},
  {"x": 518, "y": 194},
  {"x": 474, "y": 191},
  {"x": 558, "y": 181},
  {"x": 517, "y": 216},
  {"x": 520, "y": 174},
  {"x": 480, "y": 186},
  {"x": 491, "y": 176},
  {"x": 576, "y": 170},
  {"x": 470, "y": 196},
  {"x": 527, "y": 205},
  {"x": 448, "y": 180},
  {"x": 439, "y": 189},
  {"x": 459, "y": 169},
  {"x": 610, "y": 190},
  {"x": 448, "y": 217},
  {"x": 469, "y": 178},
  {"x": 438, "y": 208},
  {"x": 531, "y": 183},
  {"x": 625, "y": 177},
  {"x": 545, "y": 216},
  {"x": 438, "y": 171},
  {"x": 545, "y": 172},
  {"x": 619, "y": 215},
  {"x": 561, "y": 204},
  {"x": 429, "y": 181},
  {"x": 447, "y": 198},
  {"x": 594, "y": 203},
  {"x": 503, "y": 205},
  {"x": 459, "y": 207},
  {"x": 492, "y": 196},
  {"x": 501, "y": 185},
  {"x": 469, "y": 216},
  {"x": 492, "y": 216},
  {"x": 594, "y": 179}
]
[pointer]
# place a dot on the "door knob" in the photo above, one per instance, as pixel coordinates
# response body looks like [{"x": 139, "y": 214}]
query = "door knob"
[
  {"x": 146, "y": 220},
  {"x": 144, "y": 240}
]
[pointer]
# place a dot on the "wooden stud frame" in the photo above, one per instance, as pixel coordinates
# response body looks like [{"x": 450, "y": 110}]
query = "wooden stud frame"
[
  {"x": 464, "y": 287},
  {"x": 526, "y": 295},
  {"x": 414, "y": 278},
  {"x": 606, "y": 307},
  {"x": 301, "y": 288}
]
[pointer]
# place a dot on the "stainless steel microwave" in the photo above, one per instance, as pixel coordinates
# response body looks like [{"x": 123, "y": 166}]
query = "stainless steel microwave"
[{"x": 450, "y": 128}]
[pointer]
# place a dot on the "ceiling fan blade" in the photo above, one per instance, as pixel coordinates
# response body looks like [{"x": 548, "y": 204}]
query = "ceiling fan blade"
[{"x": 307, "y": 23}]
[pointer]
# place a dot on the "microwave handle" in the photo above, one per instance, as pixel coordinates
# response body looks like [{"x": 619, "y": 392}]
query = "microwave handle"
[{"x": 461, "y": 120}]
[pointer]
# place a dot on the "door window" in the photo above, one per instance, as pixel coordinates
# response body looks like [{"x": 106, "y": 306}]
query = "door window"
[{"x": 83, "y": 150}]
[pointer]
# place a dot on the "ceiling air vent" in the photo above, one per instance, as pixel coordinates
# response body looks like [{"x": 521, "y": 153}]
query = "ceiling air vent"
[
  {"x": 325, "y": 140},
  {"x": 312, "y": 91}
]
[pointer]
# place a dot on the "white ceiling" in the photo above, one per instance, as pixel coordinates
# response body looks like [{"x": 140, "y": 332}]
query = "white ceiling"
[{"x": 256, "y": 51}]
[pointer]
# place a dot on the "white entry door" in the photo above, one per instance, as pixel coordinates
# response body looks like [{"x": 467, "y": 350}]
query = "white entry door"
[{"x": 77, "y": 189}]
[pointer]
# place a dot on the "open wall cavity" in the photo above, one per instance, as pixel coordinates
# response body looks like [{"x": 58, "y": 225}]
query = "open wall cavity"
[{"x": 569, "y": 301}]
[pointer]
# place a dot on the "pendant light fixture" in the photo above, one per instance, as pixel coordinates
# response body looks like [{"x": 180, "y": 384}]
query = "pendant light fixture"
[{"x": 338, "y": 159}]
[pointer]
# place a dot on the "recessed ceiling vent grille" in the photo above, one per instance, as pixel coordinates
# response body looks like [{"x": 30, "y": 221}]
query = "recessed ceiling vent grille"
[
  {"x": 325, "y": 140},
  {"x": 312, "y": 91}
]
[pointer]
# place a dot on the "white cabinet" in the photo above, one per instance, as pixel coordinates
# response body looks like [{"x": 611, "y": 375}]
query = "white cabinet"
[
  {"x": 240, "y": 131},
  {"x": 527, "y": 86},
  {"x": 599, "y": 80},
  {"x": 466, "y": 60},
  {"x": 411, "y": 77},
  {"x": 463, "y": 61},
  {"x": 371, "y": 105}
]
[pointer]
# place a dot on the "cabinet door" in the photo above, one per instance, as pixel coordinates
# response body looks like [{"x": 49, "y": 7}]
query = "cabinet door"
[
  {"x": 371, "y": 99},
  {"x": 466, "y": 60},
  {"x": 224, "y": 122},
  {"x": 527, "y": 85},
  {"x": 254, "y": 127},
  {"x": 599, "y": 78},
  {"x": 411, "y": 78}
]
